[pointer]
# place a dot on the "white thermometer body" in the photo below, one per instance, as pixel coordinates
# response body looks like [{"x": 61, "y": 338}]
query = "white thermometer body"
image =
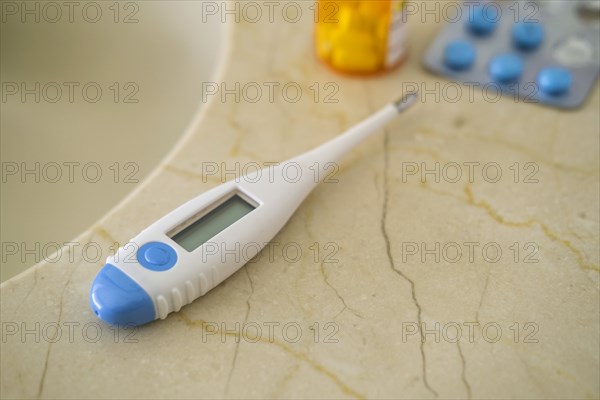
[{"x": 198, "y": 245}]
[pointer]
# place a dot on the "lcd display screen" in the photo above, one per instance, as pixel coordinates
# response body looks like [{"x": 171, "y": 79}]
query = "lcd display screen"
[{"x": 209, "y": 225}]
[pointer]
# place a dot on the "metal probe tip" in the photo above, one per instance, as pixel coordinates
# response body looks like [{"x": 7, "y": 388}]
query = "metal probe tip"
[{"x": 403, "y": 103}]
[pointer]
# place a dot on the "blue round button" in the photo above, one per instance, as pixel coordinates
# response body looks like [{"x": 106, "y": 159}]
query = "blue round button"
[
  {"x": 554, "y": 80},
  {"x": 459, "y": 55},
  {"x": 483, "y": 18},
  {"x": 506, "y": 68},
  {"x": 156, "y": 256},
  {"x": 527, "y": 35}
]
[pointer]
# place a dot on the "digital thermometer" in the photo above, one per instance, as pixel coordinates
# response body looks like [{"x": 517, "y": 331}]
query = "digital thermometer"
[{"x": 187, "y": 252}]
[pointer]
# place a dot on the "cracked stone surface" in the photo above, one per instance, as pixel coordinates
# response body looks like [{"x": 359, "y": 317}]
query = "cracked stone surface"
[{"x": 341, "y": 319}]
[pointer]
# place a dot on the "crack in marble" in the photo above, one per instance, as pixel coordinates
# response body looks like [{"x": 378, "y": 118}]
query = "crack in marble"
[
  {"x": 518, "y": 148},
  {"x": 98, "y": 230},
  {"x": 191, "y": 174},
  {"x": 325, "y": 277},
  {"x": 60, "y": 311},
  {"x": 469, "y": 198},
  {"x": 553, "y": 236},
  {"x": 103, "y": 233},
  {"x": 41, "y": 384},
  {"x": 496, "y": 216},
  {"x": 344, "y": 388},
  {"x": 339, "y": 117},
  {"x": 284, "y": 381},
  {"x": 237, "y": 344},
  {"x": 238, "y": 131},
  {"x": 528, "y": 371},
  {"x": 463, "y": 374},
  {"x": 583, "y": 237},
  {"x": 483, "y": 292},
  {"x": 393, "y": 265},
  {"x": 339, "y": 296}
]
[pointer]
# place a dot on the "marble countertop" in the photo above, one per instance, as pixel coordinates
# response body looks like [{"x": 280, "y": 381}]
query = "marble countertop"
[{"x": 500, "y": 271}]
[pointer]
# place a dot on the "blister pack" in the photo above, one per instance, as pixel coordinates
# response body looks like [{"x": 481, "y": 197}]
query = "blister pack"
[{"x": 543, "y": 51}]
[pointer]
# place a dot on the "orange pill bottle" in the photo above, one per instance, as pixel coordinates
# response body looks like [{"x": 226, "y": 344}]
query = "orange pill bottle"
[{"x": 361, "y": 36}]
